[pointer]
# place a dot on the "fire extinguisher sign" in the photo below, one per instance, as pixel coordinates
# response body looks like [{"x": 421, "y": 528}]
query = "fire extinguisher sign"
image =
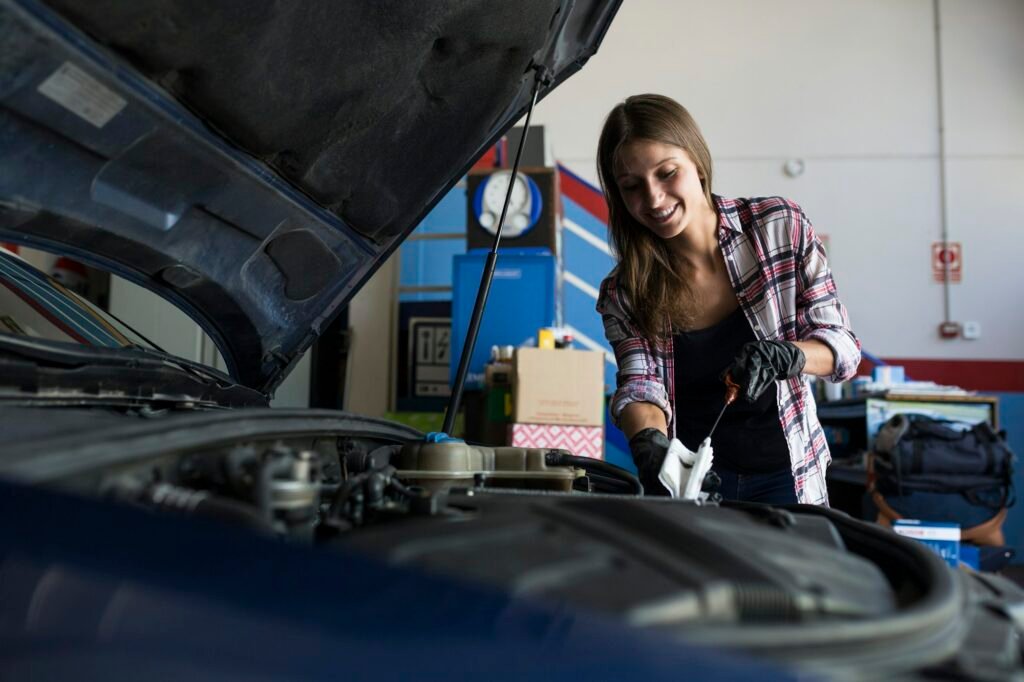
[{"x": 947, "y": 258}]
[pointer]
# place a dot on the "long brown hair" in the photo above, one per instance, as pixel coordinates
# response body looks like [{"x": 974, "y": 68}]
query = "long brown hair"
[{"x": 660, "y": 297}]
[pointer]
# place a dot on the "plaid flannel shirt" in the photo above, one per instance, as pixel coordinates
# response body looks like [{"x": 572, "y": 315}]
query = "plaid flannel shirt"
[{"x": 778, "y": 269}]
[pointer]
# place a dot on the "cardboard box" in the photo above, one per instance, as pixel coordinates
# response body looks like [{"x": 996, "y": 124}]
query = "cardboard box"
[
  {"x": 584, "y": 441},
  {"x": 558, "y": 387}
]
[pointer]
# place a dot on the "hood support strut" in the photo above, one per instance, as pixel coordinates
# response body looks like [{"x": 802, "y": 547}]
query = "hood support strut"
[{"x": 541, "y": 77}]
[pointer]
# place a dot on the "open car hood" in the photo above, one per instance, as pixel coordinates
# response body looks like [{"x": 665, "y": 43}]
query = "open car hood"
[{"x": 255, "y": 162}]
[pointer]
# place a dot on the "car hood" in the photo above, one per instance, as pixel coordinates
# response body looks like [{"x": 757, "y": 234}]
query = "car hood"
[{"x": 255, "y": 162}]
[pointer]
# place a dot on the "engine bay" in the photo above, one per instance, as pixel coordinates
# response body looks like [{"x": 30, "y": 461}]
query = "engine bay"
[{"x": 799, "y": 584}]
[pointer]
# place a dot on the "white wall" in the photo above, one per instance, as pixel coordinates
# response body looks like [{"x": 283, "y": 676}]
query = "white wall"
[
  {"x": 851, "y": 88},
  {"x": 176, "y": 333},
  {"x": 372, "y": 320}
]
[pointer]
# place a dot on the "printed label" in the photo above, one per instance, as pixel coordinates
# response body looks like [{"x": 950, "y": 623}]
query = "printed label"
[
  {"x": 81, "y": 94},
  {"x": 429, "y": 356}
]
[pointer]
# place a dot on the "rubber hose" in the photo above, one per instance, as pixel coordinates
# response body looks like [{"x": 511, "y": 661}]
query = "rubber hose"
[{"x": 586, "y": 463}]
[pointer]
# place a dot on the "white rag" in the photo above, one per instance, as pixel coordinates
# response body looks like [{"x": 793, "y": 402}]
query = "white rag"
[{"x": 683, "y": 470}]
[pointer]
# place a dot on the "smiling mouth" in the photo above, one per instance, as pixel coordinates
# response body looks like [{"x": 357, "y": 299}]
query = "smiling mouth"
[{"x": 663, "y": 216}]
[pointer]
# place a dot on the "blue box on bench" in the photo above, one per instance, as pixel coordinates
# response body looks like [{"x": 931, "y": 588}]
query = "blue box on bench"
[{"x": 943, "y": 538}]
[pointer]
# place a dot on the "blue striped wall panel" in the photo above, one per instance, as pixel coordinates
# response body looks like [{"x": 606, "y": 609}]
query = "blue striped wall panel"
[
  {"x": 585, "y": 264},
  {"x": 587, "y": 261},
  {"x": 429, "y": 262},
  {"x": 448, "y": 216},
  {"x": 581, "y": 316},
  {"x": 580, "y": 255}
]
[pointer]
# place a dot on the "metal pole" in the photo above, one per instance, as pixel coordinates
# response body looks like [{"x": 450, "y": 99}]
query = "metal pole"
[
  {"x": 488, "y": 275},
  {"x": 942, "y": 166}
]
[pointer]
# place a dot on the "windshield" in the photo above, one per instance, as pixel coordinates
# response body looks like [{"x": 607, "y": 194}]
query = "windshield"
[{"x": 35, "y": 305}]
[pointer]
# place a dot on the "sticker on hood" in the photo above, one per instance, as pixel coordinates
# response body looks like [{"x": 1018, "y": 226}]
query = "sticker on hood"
[{"x": 82, "y": 95}]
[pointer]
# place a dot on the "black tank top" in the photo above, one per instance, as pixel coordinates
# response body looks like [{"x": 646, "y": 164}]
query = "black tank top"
[{"x": 749, "y": 438}]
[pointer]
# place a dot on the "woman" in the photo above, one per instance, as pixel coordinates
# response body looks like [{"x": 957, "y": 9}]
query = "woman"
[{"x": 706, "y": 285}]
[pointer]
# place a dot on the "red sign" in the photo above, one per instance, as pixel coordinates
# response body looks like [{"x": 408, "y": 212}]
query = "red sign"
[{"x": 946, "y": 257}]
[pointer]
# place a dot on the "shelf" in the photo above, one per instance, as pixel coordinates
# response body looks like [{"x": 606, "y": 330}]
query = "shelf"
[{"x": 877, "y": 408}]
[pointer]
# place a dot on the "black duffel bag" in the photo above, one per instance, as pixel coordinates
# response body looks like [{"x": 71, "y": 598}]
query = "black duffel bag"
[{"x": 918, "y": 453}]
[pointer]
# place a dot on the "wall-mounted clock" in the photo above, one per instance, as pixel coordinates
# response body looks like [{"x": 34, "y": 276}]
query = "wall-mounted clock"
[
  {"x": 524, "y": 207},
  {"x": 532, "y": 209}
]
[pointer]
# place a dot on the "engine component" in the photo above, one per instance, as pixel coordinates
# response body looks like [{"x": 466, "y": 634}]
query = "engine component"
[
  {"x": 439, "y": 466},
  {"x": 282, "y": 482},
  {"x": 174, "y": 499},
  {"x": 288, "y": 490},
  {"x": 601, "y": 476},
  {"x": 376, "y": 494},
  {"x": 166, "y": 497},
  {"x": 358, "y": 459},
  {"x": 297, "y": 484}
]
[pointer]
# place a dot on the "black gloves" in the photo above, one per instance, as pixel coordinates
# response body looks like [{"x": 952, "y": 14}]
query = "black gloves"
[
  {"x": 649, "y": 448},
  {"x": 762, "y": 362},
  {"x": 711, "y": 483}
]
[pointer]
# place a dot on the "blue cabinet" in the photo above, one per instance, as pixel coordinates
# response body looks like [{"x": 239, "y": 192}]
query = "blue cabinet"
[{"x": 522, "y": 300}]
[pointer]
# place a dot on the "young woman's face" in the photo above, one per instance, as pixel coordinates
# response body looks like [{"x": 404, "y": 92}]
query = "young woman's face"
[{"x": 660, "y": 186}]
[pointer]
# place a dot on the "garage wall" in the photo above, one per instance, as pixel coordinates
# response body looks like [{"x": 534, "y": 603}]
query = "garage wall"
[
  {"x": 176, "y": 333},
  {"x": 850, "y": 88},
  {"x": 371, "y": 316},
  {"x": 984, "y": 98}
]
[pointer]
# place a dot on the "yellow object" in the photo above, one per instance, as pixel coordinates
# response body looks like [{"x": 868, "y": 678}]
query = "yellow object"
[{"x": 545, "y": 338}]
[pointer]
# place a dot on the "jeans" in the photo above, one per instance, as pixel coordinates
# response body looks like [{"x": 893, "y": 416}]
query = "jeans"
[{"x": 774, "y": 487}]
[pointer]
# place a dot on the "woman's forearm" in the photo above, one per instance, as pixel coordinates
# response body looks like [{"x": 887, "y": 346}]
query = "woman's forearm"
[
  {"x": 638, "y": 416},
  {"x": 820, "y": 361}
]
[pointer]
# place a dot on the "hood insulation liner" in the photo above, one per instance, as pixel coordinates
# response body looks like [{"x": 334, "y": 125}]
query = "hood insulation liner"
[{"x": 359, "y": 104}]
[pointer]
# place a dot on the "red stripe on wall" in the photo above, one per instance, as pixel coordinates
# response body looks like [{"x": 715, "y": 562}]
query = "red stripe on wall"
[
  {"x": 973, "y": 375},
  {"x": 588, "y": 197},
  {"x": 489, "y": 159}
]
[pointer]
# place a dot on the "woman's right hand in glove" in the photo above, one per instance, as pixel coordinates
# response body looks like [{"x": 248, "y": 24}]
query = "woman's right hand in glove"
[{"x": 761, "y": 363}]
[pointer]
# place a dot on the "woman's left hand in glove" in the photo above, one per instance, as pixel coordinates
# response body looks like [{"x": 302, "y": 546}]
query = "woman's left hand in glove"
[{"x": 762, "y": 362}]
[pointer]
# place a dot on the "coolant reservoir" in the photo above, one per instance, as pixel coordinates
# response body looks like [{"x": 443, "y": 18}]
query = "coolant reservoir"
[{"x": 437, "y": 466}]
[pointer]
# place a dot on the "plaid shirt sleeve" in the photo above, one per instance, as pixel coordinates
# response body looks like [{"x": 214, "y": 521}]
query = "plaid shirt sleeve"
[
  {"x": 819, "y": 312},
  {"x": 641, "y": 366}
]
